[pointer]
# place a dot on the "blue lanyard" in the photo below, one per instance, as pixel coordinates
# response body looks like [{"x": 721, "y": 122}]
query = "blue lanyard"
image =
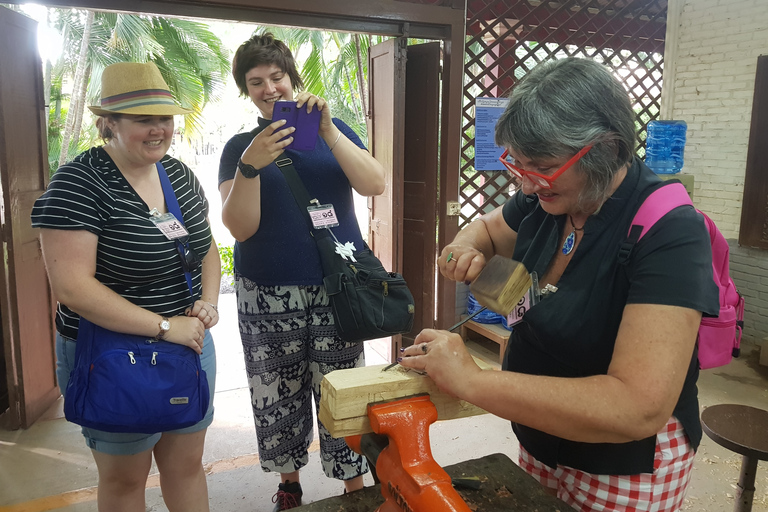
[{"x": 173, "y": 206}]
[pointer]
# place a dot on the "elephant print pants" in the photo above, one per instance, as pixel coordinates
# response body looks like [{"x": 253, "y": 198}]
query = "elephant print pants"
[{"x": 289, "y": 344}]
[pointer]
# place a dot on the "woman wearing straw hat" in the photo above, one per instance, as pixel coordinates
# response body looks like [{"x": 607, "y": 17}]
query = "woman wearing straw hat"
[
  {"x": 286, "y": 325},
  {"x": 108, "y": 262}
]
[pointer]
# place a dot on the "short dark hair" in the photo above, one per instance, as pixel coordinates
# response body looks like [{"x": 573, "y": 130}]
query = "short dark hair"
[
  {"x": 264, "y": 49},
  {"x": 562, "y": 106},
  {"x": 102, "y": 125}
]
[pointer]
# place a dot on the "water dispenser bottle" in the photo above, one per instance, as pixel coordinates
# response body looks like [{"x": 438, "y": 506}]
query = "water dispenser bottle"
[{"x": 665, "y": 145}]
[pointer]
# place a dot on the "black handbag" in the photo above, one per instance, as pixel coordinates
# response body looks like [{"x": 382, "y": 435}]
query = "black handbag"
[{"x": 367, "y": 301}]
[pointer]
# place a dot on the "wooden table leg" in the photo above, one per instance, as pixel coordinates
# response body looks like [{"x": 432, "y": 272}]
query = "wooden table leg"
[{"x": 745, "y": 491}]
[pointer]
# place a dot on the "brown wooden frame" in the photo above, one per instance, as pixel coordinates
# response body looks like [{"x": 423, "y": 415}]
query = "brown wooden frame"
[{"x": 753, "y": 231}]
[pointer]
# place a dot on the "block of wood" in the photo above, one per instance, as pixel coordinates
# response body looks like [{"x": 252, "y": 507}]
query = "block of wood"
[
  {"x": 347, "y": 393},
  {"x": 501, "y": 284}
]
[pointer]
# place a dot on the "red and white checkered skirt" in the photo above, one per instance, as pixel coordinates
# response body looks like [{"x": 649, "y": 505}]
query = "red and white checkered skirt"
[{"x": 660, "y": 491}]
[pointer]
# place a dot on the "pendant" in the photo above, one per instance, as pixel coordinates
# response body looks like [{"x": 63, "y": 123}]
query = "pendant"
[
  {"x": 346, "y": 251},
  {"x": 570, "y": 241}
]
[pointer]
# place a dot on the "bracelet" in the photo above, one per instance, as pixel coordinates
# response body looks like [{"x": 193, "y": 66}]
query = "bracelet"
[
  {"x": 215, "y": 308},
  {"x": 336, "y": 141}
]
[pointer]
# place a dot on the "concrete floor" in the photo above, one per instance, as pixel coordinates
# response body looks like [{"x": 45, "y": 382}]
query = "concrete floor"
[{"x": 48, "y": 467}]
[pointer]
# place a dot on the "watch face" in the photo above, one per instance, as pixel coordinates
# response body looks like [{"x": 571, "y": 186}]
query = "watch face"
[
  {"x": 165, "y": 325},
  {"x": 247, "y": 170}
]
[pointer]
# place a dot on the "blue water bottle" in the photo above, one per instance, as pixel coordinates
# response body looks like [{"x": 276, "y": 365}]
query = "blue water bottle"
[{"x": 665, "y": 145}]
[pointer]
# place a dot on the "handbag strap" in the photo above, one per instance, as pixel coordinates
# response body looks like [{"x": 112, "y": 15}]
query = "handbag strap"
[
  {"x": 173, "y": 206},
  {"x": 300, "y": 194}
]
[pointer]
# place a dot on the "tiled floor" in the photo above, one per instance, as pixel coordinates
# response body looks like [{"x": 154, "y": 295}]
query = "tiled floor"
[{"x": 48, "y": 467}]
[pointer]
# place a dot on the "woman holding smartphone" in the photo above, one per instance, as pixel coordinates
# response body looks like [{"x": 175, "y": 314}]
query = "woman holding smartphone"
[{"x": 286, "y": 324}]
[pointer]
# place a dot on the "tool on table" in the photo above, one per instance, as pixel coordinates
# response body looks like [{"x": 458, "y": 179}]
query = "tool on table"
[
  {"x": 400, "y": 452},
  {"x": 468, "y": 482}
]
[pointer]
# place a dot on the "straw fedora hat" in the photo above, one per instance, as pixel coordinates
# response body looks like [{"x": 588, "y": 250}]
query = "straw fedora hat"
[{"x": 135, "y": 88}]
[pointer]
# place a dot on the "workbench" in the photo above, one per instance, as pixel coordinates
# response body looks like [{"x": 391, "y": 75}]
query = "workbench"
[
  {"x": 505, "y": 487},
  {"x": 493, "y": 332}
]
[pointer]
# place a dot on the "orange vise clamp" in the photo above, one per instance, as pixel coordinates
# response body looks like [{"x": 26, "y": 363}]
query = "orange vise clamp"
[{"x": 399, "y": 449}]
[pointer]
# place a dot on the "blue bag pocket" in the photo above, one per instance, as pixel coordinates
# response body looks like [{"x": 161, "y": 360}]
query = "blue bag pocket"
[{"x": 126, "y": 383}]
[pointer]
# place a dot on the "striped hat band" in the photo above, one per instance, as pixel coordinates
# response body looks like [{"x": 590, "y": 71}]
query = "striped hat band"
[
  {"x": 138, "y": 99},
  {"x": 135, "y": 88}
]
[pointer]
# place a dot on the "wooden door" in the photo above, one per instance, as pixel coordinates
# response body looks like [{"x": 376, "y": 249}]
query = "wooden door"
[
  {"x": 421, "y": 168},
  {"x": 25, "y": 297},
  {"x": 386, "y": 80},
  {"x": 404, "y": 137}
]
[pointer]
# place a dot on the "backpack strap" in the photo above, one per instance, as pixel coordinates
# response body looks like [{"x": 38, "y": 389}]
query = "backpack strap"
[{"x": 665, "y": 198}]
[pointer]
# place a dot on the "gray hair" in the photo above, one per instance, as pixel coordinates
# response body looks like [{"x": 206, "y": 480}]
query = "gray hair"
[{"x": 562, "y": 106}]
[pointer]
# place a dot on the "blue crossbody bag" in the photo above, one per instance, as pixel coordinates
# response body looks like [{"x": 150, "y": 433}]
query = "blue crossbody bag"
[{"x": 127, "y": 383}]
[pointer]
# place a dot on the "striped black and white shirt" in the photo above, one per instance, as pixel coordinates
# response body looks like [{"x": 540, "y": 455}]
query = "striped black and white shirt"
[{"x": 134, "y": 259}]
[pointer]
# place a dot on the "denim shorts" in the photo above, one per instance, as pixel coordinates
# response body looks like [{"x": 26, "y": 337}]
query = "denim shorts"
[{"x": 113, "y": 443}]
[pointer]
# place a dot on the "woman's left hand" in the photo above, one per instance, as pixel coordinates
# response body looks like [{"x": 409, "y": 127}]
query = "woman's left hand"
[
  {"x": 308, "y": 100},
  {"x": 444, "y": 357},
  {"x": 205, "y": 312}
]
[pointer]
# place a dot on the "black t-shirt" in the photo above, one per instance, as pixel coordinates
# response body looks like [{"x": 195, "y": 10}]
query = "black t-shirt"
[
  {"x": 134, "y": 259},
  {"x": 572, "y": 332}
]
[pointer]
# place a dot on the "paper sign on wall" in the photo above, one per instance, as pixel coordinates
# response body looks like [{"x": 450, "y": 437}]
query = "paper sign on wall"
[{"x": 487, "y": 153}]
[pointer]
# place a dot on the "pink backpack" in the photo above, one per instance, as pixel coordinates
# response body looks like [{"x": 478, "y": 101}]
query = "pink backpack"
[{"x": 719, "y": 338}]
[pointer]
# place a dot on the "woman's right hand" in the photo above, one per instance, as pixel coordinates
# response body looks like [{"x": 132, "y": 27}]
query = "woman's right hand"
[
  {"x": 268, "y": 145},
  {"x": 187, "y": 331},
  {"x": 461, "y": 263}
]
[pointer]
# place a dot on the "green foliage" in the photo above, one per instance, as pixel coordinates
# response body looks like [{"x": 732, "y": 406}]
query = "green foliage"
[
  {"x": 190, "y": 57},
  {"x": 227, "y": 260},
  {"x": 334, "y": 66}
]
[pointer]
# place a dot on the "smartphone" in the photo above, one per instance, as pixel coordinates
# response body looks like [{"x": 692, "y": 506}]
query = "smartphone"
[{"x": 306, "y": 124}]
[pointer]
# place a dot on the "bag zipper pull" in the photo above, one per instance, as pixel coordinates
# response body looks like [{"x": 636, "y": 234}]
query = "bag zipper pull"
[
  {"x": 386, "y": 288},
  {"x": 154, "y": 358},
  {"x": 133, "y": 360}
]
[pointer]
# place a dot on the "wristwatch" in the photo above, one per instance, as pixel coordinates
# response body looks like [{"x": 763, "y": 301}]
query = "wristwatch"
[
  {"x": 247, "y": 170},
  {"x": 165, "y": 326}
]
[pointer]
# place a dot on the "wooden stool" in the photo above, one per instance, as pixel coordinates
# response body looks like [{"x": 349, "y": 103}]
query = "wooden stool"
[
  {"x": 744, "y": 430},
  {"x": 493, "y": 332}
]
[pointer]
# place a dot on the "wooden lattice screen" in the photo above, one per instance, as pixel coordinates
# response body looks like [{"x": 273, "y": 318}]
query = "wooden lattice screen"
[{"x": 507, "y": 38}]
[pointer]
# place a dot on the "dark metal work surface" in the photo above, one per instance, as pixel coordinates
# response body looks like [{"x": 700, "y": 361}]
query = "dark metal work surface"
[
  {"x": 739, "y": 428},
  {"x": 505, "y": 487},
  {"x": 744, "y": 430}
]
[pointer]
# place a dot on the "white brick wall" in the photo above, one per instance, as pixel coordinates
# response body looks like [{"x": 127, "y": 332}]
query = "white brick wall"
[{"x": 718, "y": 42}]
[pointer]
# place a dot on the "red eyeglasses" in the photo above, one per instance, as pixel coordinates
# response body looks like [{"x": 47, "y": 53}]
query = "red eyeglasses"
[{"x": 540, "y": 179}]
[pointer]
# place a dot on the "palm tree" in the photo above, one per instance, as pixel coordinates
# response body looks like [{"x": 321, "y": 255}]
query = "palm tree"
[
  {"x": 80, "y": 82},
  {"x": 190, "y": 57}
]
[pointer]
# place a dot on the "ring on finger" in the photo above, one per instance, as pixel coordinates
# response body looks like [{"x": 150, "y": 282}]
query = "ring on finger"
[{"x": 424, "y": 347}]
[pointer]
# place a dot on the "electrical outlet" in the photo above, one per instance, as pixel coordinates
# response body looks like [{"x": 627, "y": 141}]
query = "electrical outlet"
[{"x": 453, "y": 208}]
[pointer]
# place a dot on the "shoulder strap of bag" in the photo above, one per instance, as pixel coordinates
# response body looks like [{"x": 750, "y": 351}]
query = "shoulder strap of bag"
[
  {"x": 300, "y": 194},
  {"x": 173, "y": 206},
  {"x": 657, "y": 204}
]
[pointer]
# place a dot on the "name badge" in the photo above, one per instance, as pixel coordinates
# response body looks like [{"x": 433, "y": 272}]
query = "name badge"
[
  {"x": 520, "y": 308},
  {"x": 323, "y": 216},
  {"x": 169, "y": 225},
  {"x": 530, "y": 299}
]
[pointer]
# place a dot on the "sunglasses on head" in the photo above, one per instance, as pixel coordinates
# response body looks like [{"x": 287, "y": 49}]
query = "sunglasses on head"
[{"x": 536, "y": 178}]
